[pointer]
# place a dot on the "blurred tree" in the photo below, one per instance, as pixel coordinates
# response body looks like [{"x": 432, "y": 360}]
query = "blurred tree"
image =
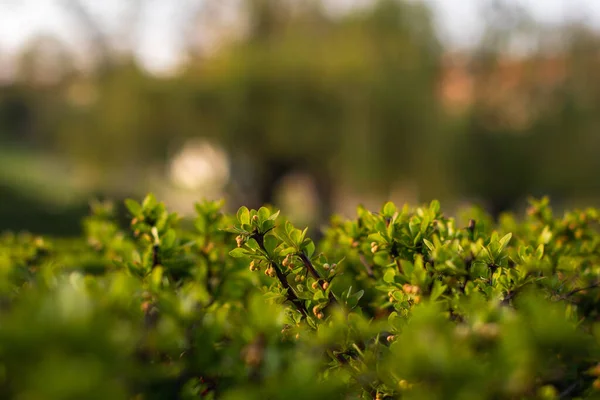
[{"x": 345, "y": 99}]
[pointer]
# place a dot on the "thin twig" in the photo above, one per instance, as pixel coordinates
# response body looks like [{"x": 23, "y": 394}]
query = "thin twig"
[
  {"x": 568, "y": 390},
  {"x": 290, "y": 294},
  {"x": 315, "y": 274},
  {"x": 574, "y": 291},
  {"x": 367, "y": 266}
]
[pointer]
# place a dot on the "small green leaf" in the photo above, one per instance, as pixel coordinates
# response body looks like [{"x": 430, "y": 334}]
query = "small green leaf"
[
  {"x": 263, "y": 214},
  {"x": 168, "y": 239},
  {"x": 539, "y": 252},
  {"x": 429, "y": 245},
  {"x": 156, "y": 277},
  {"x": 309, "y": 248},
  {"x": 243, "y": 215},
  {"x": 434, "y": 207},
  {"x": 504, "y": 241},
  {"x": 238, "y": 253},
  {"x": 545, "y": 236},
  {"x": 270, "y": 243},
  {"x": 389, "y": 209},
  {"x": 381, "y": 258},
  {"x": 377, "y": 237},
  {"x": 319, "y": 295},
  {"x": 149, "y": 202},
  {"x": 274, "y": 216},
  {"x": 389, "y": 276},
  {"x": 134, "y": 207},
  {"x": 437, "y": 290}
]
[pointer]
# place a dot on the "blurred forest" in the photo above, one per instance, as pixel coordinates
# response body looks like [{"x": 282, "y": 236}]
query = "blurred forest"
[{"x": 309, "y": 109}]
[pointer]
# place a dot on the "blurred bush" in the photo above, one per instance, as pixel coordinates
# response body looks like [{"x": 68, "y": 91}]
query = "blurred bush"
[{"x": 368, "y": 99}]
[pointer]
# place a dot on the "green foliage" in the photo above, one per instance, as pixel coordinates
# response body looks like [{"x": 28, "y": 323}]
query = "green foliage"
[{"x": 401, "y": 303}]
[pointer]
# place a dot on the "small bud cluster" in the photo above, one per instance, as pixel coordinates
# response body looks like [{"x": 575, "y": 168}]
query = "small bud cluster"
[
  {"x": 270, "y": 272},
  {"x": 287, "y": 262},
  {"x": 374, "y": 247},
  {"x": 391, "y": 297},
  {"x": 254, "y": 267},
  {"x": 240, "y": 240},
  {"x": 410, "y": 289},
  {"x": 317, "y": 312},
  {"x": 300, "y": 278},
  {"x": 595, "y": 371},
  {"x": 331, "y": 268}
]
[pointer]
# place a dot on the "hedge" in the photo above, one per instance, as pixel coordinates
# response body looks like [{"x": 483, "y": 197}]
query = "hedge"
[{"x": 396, "y": 304}]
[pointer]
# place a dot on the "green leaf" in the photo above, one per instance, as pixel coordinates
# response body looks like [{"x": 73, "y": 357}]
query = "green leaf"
[
  {"x": 434, "y": 207},
  {"x": 389, "y": 276},
  {"x": 309, "y": 248},
  {"x": 296, "y": 237},
  {"x": 545, "y": 236},
  {"x": 425, "y": 224},
  {"x": 429, "y": 245},
  {"x": 149, "y": 202},
  {"x": 504, "y": 241},
  {"x": 134, "y": 207},
  {"x": 270, "y": 243},
  {"x": 263, "y": 214},
  {"x": 389, "y": 209},
  {"x": 238, "y": 253},
  {"x": 437, "y": 290},
  {"x": 274, "y": 216},
  {"x": 156, "y": 277},
  {"x": 539, "y": 252},
  {"x": 381, "y": 258},
  {"x": 168, "y": 239},
  {"x": 243, "y": 215},
  {"x": 407, "y": 267},
  {"x": 377, "y": 237}
]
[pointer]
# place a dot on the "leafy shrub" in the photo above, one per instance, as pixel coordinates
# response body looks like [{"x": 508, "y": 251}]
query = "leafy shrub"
[{"x": 402, "y": 303}]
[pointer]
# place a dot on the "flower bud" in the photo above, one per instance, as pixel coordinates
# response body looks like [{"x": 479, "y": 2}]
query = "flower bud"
[
  {"x": 325, "y": 285},
  {"x": 255, "y": 218},
  {"x": 315, "y": 285},
  {"x": 239, "y": 240},
  {"x": 253, "y": 266},
  {"x": 326, "y": 266},
  {"x": 320, "y": 315}
]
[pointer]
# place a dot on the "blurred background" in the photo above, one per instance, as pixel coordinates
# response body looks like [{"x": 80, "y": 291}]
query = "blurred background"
[{"x": 311, "y": 105}]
